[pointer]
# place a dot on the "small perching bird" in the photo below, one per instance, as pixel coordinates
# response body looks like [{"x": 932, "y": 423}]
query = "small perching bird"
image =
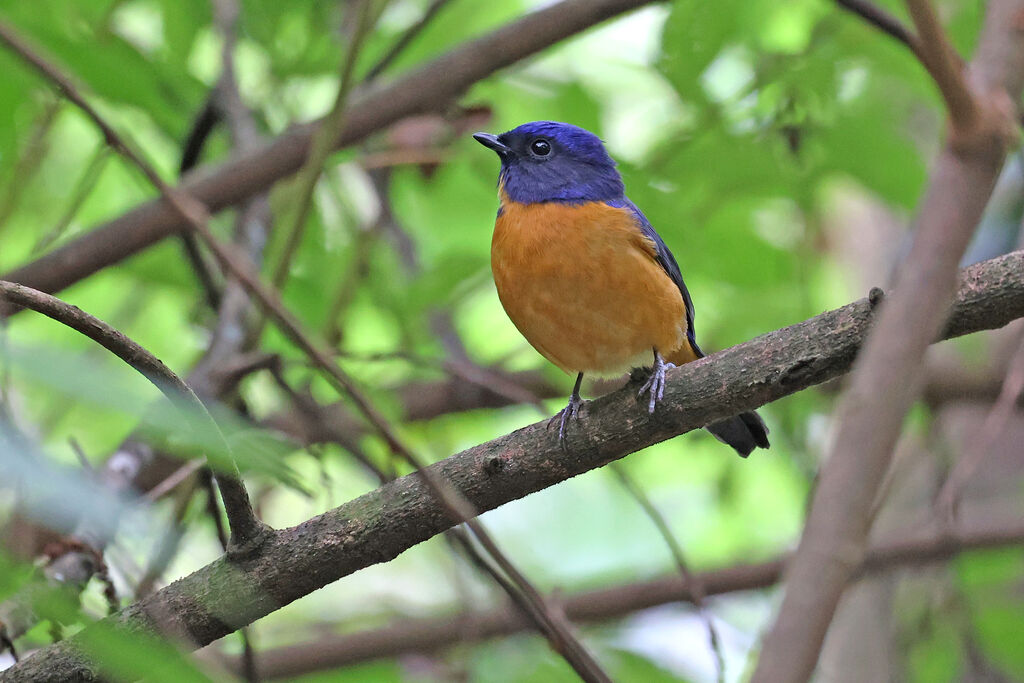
[{"x": 582, "y": 273}]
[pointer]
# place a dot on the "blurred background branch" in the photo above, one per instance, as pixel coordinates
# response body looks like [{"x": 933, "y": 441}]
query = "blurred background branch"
[
  {"x": 780, "y": 148},
  {"x": 381, "y": 524}
]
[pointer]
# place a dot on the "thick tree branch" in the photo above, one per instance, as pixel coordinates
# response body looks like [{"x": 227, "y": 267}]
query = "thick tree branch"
[
  {"x": 426, "y": 88},
  {"x": 136, "y": 465},
  {"x": 887, "y": 379},
  {"x": 245, "y": 528},
  {"x": 225, "y": 595},
  {"x": 435, "y": 633}
]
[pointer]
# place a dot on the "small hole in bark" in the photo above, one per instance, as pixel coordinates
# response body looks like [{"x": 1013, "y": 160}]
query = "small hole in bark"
[{"x": 494, "y": 464}]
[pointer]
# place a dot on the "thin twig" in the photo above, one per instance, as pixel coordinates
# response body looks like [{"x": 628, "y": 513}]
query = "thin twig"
[
  {"x": 694, "y": 585},
  {"x": 212, "y": 508},
  {"x": 203, "y": 272},
  {"x": 384, "y": 522},
  {"x": 199, "y": 133},
  {"x": 79, "y": 452},
  {"x": 175, "y": 478},
  {"x": 945, "y": 66},
  {"x": 948, "y": 500},
  {"x": 236, "y": 500},
  {"x": 534, "y": 606},
  {"x": 321, "y": 146},
  {"x": 429, "y": 86},
  {"x": 348, "y": 647},
  {"x": 83, "y": 188},
  {"x": 168, "y": 544},
  {"x": 404, "y": 41},
  {"x": 249, "y": 671},
  {"x": 28, "y": 161},
  {"x": 244, "y": 525},
  {"x": 883, "y": 21},
  {"x": 885, "y": 382}
]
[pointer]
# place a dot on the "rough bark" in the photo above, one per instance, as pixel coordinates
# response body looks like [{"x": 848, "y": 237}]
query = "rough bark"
[
  {"x": 431, "y": 634},
  {"x": 376, "y": 527},
  {"x": 981, "y": 104}
]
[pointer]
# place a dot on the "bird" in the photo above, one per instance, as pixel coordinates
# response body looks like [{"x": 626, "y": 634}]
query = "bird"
[{"x": 584, "y": 276}]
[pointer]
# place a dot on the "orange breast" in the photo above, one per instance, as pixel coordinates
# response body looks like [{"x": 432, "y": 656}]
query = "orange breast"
[{"x": 583, "y": 286}]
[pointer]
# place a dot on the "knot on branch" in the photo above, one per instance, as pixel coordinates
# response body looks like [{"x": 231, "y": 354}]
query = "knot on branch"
[
  {"x": 494, "y": 464},
  {"x": 252, "y": 543},
  {"x": 798, "y": 371},
  {"x": 991, "y": 128}
]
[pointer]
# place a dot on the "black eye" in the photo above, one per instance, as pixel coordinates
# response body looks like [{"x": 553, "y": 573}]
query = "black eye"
[{"x": 540, "y": 147}]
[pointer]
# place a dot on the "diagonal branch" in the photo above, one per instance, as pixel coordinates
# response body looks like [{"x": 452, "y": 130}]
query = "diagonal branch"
[
  {"x": 135, "y": 464},
  {"x": 551, "y": 624},
  {"x": 889, "y": 370},
  {"x": 405, "y": 40},
  {"x": 694, "y": 585},
  {"x": 426, "y": 88},
  {"x": 67, "y": 88},
  {"x": 321, "y": 145},
  {"x": 431, "y": 634},
  {"x": 245, "y": 528},
  {"x": 884, "y": 22},
  {"x": 948, "y": 498},
  {"x": 945, "y": 66},
  {"x": 379, "y": 525}
]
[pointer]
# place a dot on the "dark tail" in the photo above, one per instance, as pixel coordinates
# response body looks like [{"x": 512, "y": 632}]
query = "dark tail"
[{"x": 745, "y": 432}]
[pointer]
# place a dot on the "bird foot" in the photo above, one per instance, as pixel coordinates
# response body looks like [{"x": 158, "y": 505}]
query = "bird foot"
[
  {"x": 566, "y": 414},
  {"x": 655, "y": 384}
]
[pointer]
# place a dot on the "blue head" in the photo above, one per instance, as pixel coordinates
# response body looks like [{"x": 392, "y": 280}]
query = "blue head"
[{"x": 547, "y": 161}]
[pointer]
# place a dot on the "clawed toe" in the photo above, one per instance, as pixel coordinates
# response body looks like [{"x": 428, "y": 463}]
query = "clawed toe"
[
  {"x": 655, "y": 384},
  {"x": 568, "y": 413}
]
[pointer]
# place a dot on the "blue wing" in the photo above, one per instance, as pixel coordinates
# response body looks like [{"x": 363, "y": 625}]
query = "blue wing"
[{"x": 668, "y": 263}]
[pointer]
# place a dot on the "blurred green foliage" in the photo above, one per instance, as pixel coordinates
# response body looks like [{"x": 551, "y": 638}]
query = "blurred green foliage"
[{"x": 735, "y": 124}]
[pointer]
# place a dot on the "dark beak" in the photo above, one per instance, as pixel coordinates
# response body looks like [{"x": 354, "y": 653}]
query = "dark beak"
[{"x": 492, "y": 142}]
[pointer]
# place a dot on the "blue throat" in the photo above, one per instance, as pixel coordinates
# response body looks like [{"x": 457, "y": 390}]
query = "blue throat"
[{"x": 556, "y": 182}]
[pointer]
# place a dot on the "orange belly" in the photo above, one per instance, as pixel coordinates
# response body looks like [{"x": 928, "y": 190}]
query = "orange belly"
[{"x": 582, "y": 284}]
